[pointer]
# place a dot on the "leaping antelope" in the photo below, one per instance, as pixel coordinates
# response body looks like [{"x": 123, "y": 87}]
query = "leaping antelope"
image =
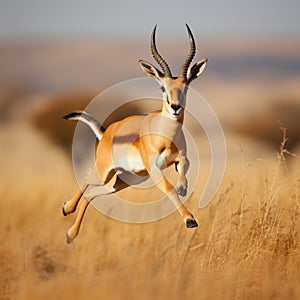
[{"x": 144, "y": 143}]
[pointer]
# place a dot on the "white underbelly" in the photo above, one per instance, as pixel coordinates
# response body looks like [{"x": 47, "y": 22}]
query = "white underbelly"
[{"x": 128, "y": 158}]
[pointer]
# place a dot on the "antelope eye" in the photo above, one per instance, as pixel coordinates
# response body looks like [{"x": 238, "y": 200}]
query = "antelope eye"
[{"x": 163, "y": 89}]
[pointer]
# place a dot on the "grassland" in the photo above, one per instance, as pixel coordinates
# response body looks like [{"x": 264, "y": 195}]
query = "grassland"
[{"x": 247, "y": 244}]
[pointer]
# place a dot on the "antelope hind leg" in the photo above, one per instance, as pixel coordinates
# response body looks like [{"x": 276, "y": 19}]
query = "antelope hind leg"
[
  {"x": 71, "y": 205},
  {"x": 74, "y": 229}
]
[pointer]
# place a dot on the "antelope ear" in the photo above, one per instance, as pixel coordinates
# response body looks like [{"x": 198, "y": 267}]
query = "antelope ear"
[
  {"x": 196, "y": 70},
  {"x": 150, "y": 70}
]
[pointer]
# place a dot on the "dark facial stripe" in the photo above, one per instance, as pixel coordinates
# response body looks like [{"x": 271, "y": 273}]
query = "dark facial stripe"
[{"x": 176, "y": 94}]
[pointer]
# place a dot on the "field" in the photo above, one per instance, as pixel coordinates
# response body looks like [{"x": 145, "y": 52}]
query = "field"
[{"x": 247, "y": 245}]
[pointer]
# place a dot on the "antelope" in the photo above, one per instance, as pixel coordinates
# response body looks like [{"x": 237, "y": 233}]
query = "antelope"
[{"x": 144, "y": 144}]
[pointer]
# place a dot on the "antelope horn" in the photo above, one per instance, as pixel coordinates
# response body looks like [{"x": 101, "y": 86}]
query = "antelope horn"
[
  {"x": 190, "y": 56},
  {"x": 158, "y": 57}
]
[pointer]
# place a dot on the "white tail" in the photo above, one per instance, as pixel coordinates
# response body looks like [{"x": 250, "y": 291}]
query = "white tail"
[{"x": 96, "y": 127}]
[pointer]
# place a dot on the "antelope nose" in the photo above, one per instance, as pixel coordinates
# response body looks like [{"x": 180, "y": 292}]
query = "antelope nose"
[{"x": 175, "y": 107}]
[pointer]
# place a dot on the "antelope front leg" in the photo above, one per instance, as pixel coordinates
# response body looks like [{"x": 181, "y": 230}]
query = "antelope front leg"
[
  {"x": 182, "y": 167},
  {"x": 164, "y": 185}
]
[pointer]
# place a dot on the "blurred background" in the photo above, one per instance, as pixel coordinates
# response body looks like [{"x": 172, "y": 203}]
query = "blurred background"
[{"x": 56, "y": 56}]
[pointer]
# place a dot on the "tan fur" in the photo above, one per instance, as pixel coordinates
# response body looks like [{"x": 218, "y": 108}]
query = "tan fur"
[
  {"x": 143, "y": 136},
  {"x": 145, "y": 144}
]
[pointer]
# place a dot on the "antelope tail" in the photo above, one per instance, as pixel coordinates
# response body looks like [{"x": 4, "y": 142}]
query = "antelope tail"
[{"x": 82, "y": 116}]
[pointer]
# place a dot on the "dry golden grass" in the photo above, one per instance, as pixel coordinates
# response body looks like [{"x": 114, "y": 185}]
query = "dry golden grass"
[{"x": 247, "y": 244}]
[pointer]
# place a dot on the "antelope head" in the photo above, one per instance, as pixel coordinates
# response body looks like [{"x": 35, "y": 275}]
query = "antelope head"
[{"x": 174, "y": 89}]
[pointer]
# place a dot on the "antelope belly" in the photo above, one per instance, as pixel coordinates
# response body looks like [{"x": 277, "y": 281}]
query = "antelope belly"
[{"x": 128, "y": 158}]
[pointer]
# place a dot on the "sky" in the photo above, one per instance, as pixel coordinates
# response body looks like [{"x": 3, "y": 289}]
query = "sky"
[{"x": 130, "y": 18}]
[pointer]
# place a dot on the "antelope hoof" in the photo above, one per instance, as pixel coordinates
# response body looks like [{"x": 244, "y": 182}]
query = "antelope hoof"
[
  {"x": 69, "y": 240},
  {"x": 63, "y": 211},
  {"x": 181, "y": 190},
  {"x": 191, "y": 223}
]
